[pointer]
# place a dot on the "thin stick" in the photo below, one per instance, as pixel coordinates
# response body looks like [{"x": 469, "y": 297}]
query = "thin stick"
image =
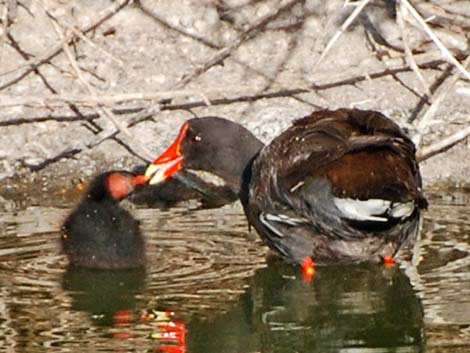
[
  {"x": 92, "y": 100},
  {"x": 343, "y": 28},
  {"x": 56, "y": 49},
  {"x": 92, "y": 44},
  {"x": 100, "y": 138},
  {"x": 443, "y": 145},
  {"x": 73, "y": 63},
  {"x": 149, "y": 11},
  {"x": 181, "y": 31},
  {"x": 79, "y": 34},
  {"x": 228, "y": 50},
  {"x": 435, "y": 39},
  {"x": 241, "y": 94},
  {"x": 408, "y": 54},
  {"x": 3, "y": 33},
  {"x": 463, "y": 90},
  {"x": 4, "y": 25},
  {"x": 423, "y": 124},
  {"x": 99, "y": 108}
]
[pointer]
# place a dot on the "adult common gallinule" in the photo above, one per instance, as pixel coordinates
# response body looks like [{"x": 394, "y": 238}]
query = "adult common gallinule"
[
  {"x": 100, "y": 233},
  {"x": 337, "y": 186}
]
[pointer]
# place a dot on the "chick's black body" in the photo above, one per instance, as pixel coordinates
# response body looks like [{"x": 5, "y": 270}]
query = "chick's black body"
[{"x": 100, "y": 233}]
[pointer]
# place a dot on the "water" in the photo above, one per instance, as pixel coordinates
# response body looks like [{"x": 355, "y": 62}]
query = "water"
[{"x": 207, "y": 288}]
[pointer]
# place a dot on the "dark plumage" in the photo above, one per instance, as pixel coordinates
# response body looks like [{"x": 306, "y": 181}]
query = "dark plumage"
[
  {"x": 337, "y": 186},
  {"x": 183, "y": 187},
  {"x": 209, "y": 156},
  {"x": 100, "y": 233}
]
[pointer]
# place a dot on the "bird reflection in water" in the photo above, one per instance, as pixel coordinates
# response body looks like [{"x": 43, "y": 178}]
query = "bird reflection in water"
[
  {"x": 110, "y": 297},
  {"x": 361, "y": 308},
  {"x": 104, "y": 294}
]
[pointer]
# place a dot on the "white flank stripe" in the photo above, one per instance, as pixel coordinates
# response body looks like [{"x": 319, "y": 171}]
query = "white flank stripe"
[
  {"x": 402, "y": 210},
  {"x": 264, "y": 220},
  {"x": 373, "y": 209}
]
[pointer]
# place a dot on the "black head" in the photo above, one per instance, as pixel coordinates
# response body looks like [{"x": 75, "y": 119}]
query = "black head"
[{"x": 211, "y": 144}]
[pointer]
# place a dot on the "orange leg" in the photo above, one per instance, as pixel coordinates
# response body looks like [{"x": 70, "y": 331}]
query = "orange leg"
[{"x": 308, "y": 269}]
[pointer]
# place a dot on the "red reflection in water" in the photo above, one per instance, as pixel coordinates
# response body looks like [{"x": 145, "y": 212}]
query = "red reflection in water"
[
  {"x": 123, "y": 318},
  {"x": 308, "y": 269},
  {"x": 172, "y": 349},
  {"x": 174, "y": 337},
  {"x": 170, "y": 335}
]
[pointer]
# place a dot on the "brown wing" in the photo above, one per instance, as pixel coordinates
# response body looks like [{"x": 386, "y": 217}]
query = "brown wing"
[
  {"x": 332, "y": 178},
  {"x": 363, "y": 154}
]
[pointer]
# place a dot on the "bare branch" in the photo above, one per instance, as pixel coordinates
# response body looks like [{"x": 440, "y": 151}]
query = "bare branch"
[
  {"x": 100, "y": 138},
  {"x": 426, "y": 119},
  {"x": 343, "y": 28},
  {"x": 3, "y": 33},
  {"x": 408, "y": 54},
  {"x": 183, "y": 32},
  {"x": 435, "y": 39},
  {"x": 443, "y": 145},
  {"x": 73, "y": 63},
  {"x": 32, "y": 64},
  {"x": 98, "y": 107},
  {"x": 464, "y": 90},
  {"x": 93, "y": 100},
  {"x": 83, "y": 37},
  {"x": 227, "y": 51},
  {"x": 228, "y": 95}
]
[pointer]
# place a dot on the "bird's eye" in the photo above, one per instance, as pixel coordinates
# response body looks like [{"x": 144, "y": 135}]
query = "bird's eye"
[{"x": 197, "y": 138}]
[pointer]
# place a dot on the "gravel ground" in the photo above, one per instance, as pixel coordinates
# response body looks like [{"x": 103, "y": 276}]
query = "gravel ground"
[{"x": 256, "y": 62}]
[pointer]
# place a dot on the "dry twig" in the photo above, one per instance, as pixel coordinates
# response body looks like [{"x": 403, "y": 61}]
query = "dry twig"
[
  {"x": 464, "y": 90},
  {"x": 103, "y": 99},
  {"x": 100, "y": 138},
  {"x": 227, "y": 51},
  {"x": 83, "y": 37},
  {"x": 443, "y": 145},
  {"x": 32, "y": 64},
  {"x": 79, "y": 34},
  {"x": 424, "y": 100},
  {"x": 408, "y": 54},
  {"x": 3, "y": 34},
  {"x": 226, "y": 96},
  {"x": 101, "y": 110},
  {"x": 73, "y": 63},
  {"x": 426, "y": 119},
  {"x": 435, "y": 39},
  {"x": 247, "y": 94},
  {"x": 343, "y": 28},
  {"x": 183, "y": 32}
]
